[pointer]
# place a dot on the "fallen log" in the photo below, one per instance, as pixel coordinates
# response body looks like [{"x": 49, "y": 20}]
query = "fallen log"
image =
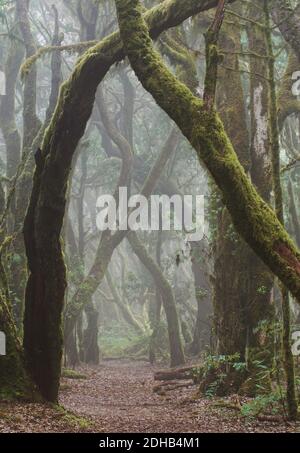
[
  {"x": 271, "y": 418},
  {"x": 169, "y": 386},
  {"x": 175, "y": 374}
]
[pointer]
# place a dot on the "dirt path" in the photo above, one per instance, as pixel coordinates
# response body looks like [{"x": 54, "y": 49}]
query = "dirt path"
[{"x": 119, "y": 397}]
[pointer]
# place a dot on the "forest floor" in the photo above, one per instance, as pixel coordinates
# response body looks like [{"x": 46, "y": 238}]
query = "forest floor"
[{"x": 118, "y": 397}]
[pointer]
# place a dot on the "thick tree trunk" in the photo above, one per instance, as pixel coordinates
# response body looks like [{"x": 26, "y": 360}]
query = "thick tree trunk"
[
  {"x": 288, "y": 359},
  {"x": 261, "y": 304},
  {"x": 242, "y": 298},
  {"x": 230, "y": 252}
]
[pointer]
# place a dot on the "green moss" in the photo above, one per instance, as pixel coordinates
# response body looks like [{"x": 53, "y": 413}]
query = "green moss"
[
  {"x": 42, "y": 51},
  {"x": 14, "y": 380},
  {"x": 71, "y": 418}
]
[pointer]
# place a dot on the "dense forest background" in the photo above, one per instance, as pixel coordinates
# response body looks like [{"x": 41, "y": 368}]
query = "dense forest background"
[{"x": 90, "y": 104}]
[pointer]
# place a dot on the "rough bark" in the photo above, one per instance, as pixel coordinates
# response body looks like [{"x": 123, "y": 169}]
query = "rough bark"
[
  {"x": 260, "y": 308},
  {"x": 278, "y": 196},
  {"x": 231, "y": 254}
]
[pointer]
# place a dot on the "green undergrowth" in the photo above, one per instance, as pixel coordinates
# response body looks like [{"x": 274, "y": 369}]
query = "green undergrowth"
[
  {"x": 270, "y": 404},
  {"x": 121, "y": 341},
  {"x": 72, "y": 419},
  {"x": 16, "y": 414}
]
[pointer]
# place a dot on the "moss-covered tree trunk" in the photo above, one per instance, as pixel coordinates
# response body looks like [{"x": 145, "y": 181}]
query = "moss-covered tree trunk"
[
  {"x": 14, "y": 379},
  {"x": 242, "y": 284},
  {"x": 231, "y": 254},
  {"x": 261, "y": 282},
  {"x": 288, "y": 358}
]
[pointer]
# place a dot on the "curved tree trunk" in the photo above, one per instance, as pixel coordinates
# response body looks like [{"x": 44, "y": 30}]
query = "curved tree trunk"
[
  {"x": 124, "y": 308},
  {"x": 168, "y": 300}
]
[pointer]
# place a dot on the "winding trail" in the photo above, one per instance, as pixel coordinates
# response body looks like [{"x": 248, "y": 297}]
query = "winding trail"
[{"x": 118, "y": 396}]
